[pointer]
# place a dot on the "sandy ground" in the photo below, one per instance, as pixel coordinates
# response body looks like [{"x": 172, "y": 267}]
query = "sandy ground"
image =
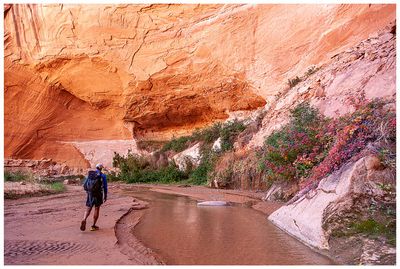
[{"x": 45, "y": 230}]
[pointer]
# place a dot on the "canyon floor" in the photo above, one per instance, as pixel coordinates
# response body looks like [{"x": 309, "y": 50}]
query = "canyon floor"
[{"x": 45, "y": 230}]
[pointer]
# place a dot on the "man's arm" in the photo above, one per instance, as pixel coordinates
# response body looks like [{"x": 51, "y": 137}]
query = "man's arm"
[{"x": 105, "y": 186}]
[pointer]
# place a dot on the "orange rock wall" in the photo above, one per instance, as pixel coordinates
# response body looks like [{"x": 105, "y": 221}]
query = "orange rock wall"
[{"x": 76, "y": 73}]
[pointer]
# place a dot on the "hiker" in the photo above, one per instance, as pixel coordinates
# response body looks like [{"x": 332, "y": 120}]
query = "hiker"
[{"x": 94, "y": 184}]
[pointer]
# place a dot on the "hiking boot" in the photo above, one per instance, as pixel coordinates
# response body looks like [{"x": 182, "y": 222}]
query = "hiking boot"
[
  {"x": 94, "y": 228},
  {"x": 83, "y": 225}
]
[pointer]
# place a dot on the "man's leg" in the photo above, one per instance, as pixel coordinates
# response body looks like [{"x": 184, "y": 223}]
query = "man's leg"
[
  {"x": 87, "y": 213},
  {"x": 85, "y": 216},
  {"x": 96, "y": 215}
]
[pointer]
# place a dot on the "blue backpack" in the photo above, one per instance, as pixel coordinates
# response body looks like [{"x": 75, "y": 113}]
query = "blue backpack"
[{"x": 93, "y": 182}]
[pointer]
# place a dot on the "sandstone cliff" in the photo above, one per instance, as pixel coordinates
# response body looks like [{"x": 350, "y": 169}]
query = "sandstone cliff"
[
  {"x": 82, "y": 78},
  {"x": 368, "y": 69}
]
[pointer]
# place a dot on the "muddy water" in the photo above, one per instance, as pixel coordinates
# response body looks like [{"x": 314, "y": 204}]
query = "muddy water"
[{"x": 182, "y": 233}]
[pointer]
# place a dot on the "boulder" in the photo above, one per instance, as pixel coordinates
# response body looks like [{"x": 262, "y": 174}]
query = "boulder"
[
  {"x": 217, "y": 145},
  {"x": 190, "y": 156},
  {"x": 307, "y": 218}
]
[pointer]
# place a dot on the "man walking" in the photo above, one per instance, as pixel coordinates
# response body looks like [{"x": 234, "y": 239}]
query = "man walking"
[{"x": 94, "y": 185}]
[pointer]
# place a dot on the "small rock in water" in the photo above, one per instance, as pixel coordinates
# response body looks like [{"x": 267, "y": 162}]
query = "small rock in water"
[{"x": 213, "y": 203}]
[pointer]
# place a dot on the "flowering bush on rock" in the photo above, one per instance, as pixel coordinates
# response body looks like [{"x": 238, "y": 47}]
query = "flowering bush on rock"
[{"x": 311, "y": 146}]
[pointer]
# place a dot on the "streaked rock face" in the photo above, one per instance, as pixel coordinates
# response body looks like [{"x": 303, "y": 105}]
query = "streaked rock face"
[
  {"x": 312, "y": 218},
  {"x": 81, "y": 73}
]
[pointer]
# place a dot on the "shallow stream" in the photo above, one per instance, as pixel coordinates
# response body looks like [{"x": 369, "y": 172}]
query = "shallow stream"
[{"x": 184, "y": 234}]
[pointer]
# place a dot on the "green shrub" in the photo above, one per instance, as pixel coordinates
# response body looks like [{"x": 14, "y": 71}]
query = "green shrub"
[
  {"x": 150, "y": 145},
  {"x": 292, "y": 151},
  {"x": 208, "y": 135},
  {"x": 311, "y": 70},
  {"x": 177, "y": 144},
  {"x": 164, "y": 175},
  {"x": 304, "y": 116},
  {"x": 56, "y": 187},
  {"x": 130, "y": 166},
  {"x": 16, "y": 176},
  {"x": 369, "y": 226},
  {"x": 294, "y": 81},
  {"x": 372, "y": 227},
  {"x": 112, "y": 177},
  {"x": 229, "y": 132},
  {"x": 136, "y": 169},
  {"x": 200, "y": 174}
]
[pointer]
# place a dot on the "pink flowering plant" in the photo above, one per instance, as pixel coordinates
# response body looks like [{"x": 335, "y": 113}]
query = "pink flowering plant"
[
  {"x": 312, "y": 146},
  {"x": 291, "y": 152}
]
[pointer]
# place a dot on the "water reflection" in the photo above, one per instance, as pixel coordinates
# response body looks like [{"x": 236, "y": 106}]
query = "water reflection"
[{"x": 183, "y": 233}]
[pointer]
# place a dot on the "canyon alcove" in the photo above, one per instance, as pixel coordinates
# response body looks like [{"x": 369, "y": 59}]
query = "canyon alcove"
[{"x": 280, "y": 116}]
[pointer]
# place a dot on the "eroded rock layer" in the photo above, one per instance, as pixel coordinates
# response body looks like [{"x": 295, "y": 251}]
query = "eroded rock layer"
[{"x": 77, "y": 74}]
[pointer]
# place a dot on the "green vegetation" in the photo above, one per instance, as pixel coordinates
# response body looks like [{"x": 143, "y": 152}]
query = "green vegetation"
[
  {"x": 368, "y": 226},
  {"x": 311, "y": 70},
  {"x": 373, "y": 228},
  {"x": 150, "y": 145},
  {"x": 112, "y": 176},
  {"x": 200, "y": 174},
  {"x": 228, "y": 134},
  {"x": 177, "y": 144},
  {"x": 137, "y": 169},
  {"x": 292, "y": 151},
  {"x": 163, "y": 175},
  {"x": 41, "y": 187},
  {"x": 56, "y": 187},
  {"x": 208, "y": 135},
  {"x": 294, "y": 81},
  {"x": 17, "y": 176},
  {"x": 306, "y": 149},
  {"x": 311, "y": 146}
]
